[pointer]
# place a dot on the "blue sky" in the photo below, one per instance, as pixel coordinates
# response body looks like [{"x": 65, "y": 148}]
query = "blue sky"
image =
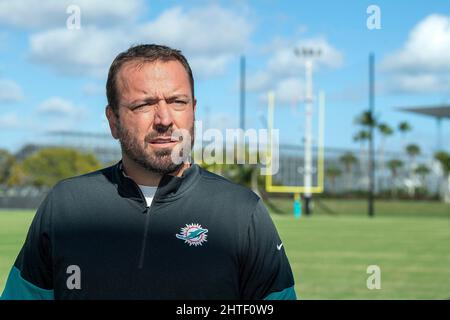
[{"x": 52, "y": 77}]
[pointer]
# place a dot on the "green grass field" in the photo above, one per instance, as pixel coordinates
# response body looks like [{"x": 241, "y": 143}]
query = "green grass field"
[{"x": 329, "y": 253}]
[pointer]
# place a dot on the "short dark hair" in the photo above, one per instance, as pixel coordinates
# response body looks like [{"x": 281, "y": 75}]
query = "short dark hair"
[{"x": 144, "y": 53}]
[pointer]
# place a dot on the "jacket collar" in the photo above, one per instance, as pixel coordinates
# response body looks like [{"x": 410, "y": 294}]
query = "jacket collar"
[{"x": 169, "y": 188}]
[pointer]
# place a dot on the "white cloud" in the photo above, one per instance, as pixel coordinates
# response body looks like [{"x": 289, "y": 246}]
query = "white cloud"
[
  {"x": 86, "y": 51},
  {"x": 417, "y": 83},
  {"x": 10, "y": 91},
  {"x": 34, "y": 14},
  {"x": 286, "y": 62},
  {"x": 208, "y": 36},
  {"x": 208, "y": 31},
  {"x": 426, "y": 49},
  {"x": 93, "y": 89},
  {"x": 9, "y": 121},
  {"x": 353, "y": 93},
  {"x": 4, "y": 40},
  {"x": 290, "y": 91},
  {"x": 220, "y": 121},
  {"x": 422, "y": 64},
  {"x": 56, "y": 106},
  {"x": 259, "y": 81},
  {"x": 284, "y": 72},
  {"x": 209, "y": 66}
]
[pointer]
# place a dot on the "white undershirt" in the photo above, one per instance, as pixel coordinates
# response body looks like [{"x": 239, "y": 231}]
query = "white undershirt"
[{"x": 149, "y": 193}]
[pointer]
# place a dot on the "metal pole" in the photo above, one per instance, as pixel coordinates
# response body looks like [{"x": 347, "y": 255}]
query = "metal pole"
[
  {"x": 308, "y": 134},
  {"x": 308, "y": 54},
  {"x": 242, "y": 104},
  {"x": 371, "y": 138}
]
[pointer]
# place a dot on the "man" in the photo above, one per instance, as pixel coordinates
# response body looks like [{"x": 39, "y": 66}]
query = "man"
[{"x": 153, "y": 226}]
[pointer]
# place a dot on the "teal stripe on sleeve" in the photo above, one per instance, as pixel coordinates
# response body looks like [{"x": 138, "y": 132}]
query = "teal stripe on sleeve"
[
  {"x": 17, "y": 288},
  {"x": 286, "y": 294}
]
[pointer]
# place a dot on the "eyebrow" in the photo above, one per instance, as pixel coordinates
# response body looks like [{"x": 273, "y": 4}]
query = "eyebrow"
[{"x": 154, "y": 99}]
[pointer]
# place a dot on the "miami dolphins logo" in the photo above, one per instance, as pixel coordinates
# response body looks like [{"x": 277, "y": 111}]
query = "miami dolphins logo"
[{"x": 193, "y": 234}]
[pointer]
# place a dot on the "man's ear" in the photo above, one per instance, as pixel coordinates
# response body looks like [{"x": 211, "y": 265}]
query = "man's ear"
[
  {"x": 195, "y": 105},
  {"x": 112, "y": 120}
]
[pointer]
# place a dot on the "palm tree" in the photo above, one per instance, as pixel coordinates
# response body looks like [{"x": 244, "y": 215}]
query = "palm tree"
[
  {"x": 394, "y": 165},
  {"x": 362, "y": 136},
  {"x": 332, "y": 173},
  {"x": 348, "y": 159},
  {"x": 422, "y": 170},
  {"x": 413, "y": 150},
  {"x": 368, "y": 122},
  {"x": 444, "y": 159},
  {"x": 366, "y": 119},
  {"x": 385, "y": 131},
  {"x": 404, "y": 127}
]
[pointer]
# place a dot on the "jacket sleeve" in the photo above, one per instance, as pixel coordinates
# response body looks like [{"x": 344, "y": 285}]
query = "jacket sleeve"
[
  {"x": 266, "y": 272},
  {"x": 31, "y": 275}
]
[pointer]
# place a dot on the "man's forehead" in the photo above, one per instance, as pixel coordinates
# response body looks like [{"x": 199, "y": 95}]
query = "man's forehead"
[{"x": 132, "y": 73}]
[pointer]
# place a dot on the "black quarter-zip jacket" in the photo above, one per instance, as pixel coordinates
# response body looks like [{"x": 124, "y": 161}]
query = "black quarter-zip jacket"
[{"x": 203, "y": 237}]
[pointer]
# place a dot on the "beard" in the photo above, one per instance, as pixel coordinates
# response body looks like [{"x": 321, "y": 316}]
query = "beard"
[{"x": 160, "y": 161}]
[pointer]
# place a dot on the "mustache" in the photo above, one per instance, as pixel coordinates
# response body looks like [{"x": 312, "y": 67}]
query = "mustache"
[
  {"x": 163, "y": 133},
  {"x": 160, "y": 132}
]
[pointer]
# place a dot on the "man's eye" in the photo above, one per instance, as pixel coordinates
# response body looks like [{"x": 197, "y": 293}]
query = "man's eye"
[
  {"x": 140, "y": 106},
  {"x": 180, "y": 102}
]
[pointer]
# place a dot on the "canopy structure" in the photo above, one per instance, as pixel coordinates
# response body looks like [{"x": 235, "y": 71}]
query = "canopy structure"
[{"x": 437, "y": 112}]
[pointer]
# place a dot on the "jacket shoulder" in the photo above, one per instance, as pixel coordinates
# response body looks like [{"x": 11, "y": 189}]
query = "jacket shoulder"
[
  {"x": 86, "y": 181},
  {"x": 222, "y": 185}
]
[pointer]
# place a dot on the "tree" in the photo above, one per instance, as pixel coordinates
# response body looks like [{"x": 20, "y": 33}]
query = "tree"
[
  {"x": 362, "y": 136},
  {"x": 444, "y": 160},
  {"x": 348, "y": 159},
  {"x": 368, "y": 122},
  {"x": 366, "y": 119},
  {"x": 332, "y": 173},
  {"x": 7, "y": 161},
  {"x": 422, "y": 171},
  {"x": 413, "y": 150},
  {"x": 394, "y": 165},
  {"x": 50, "y": 165},
  {"x": 385, "y": 131},
  {"x": 404, "y": 127},
  {"x": 17, "y": 176}
]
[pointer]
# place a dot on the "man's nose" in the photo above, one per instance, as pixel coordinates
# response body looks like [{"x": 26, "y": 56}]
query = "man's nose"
[{"x": 163, "y": 114}]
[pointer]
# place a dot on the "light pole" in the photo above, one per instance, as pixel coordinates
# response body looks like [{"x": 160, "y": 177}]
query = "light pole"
[
  {"x": 308, "y": 54},
  {"x": 371, "y": 209},
  {"x": 242, "y": 97}
]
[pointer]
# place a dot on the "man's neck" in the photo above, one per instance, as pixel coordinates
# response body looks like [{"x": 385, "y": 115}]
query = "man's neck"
[{"x": 145, "y": 177}]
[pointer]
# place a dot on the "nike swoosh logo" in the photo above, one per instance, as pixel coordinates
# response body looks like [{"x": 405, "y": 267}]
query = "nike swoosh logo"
[{"x": 279, "y": 246}]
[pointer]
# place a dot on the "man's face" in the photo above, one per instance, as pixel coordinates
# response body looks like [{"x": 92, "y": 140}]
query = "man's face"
[{"x": 155, "y": 100}]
